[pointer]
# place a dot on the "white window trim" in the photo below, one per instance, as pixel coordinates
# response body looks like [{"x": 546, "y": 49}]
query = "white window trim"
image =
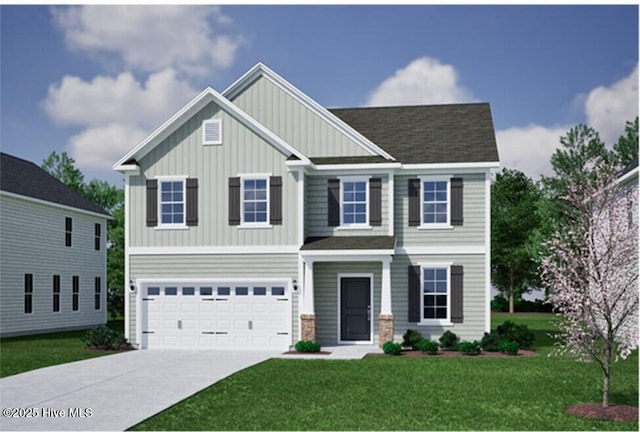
[
  {"x": 169, "y": 226},
  {"x": 435, "y": 322},
  {"x": 352, "y": 179},
  {"x": 265, "y": 224},
  {"x": 441, "y": 225},
  {"x": 204, "y": 127}
]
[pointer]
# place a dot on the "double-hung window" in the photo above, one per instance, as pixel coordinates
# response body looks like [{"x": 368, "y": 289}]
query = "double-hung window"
[
  {"x": 354, "y": 196},
  {"x": 435, "y": 201},
  {"x": 435, "y": 294},
  {"x": 172, "y": 202},
  {"x": 255, "y": 201}
]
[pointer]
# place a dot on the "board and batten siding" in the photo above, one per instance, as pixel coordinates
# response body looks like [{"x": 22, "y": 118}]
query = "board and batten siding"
[
  {"x": 294, "y": 122},
  {"x": 325, "y": 288},
  {"x": 316, "y": 208},
  {"x": 474, "y": 292},
  {"x": 472, "y": 231},
  {"x": 32, "y": 241},
  {"x": 183, "y": 154},
  {"x": 234, "y": 266}
]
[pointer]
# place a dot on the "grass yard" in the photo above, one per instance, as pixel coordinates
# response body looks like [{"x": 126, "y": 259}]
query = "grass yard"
[
  {"x": 25, "y": 353},
  {"x": 409, "y": 393}
]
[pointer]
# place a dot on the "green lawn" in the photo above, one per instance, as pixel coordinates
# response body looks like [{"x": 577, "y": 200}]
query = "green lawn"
[
  {"x": 386, "y": 393},
  {"x": 25, "y": 353}
]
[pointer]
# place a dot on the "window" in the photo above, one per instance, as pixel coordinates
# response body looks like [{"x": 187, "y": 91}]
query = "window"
[
  {"x": 242, "y": 291},
  {"x": 170, "y": 291},
  {"x": 98, "y": 235},
  {"x": 96, "y": 294},
  {"x": 435, "y": 202},
  {"x": 212, "y": 132},
  {"x": 28, "y": 293},
  {"x": 68, "y": 228},
  {"x": 172, "y": 202},
  {"x": 153, "y": 291},
  {"x": 75, "y": 293},
  {"x": 56, "y": 293},
  {"x": 206, "y": 291},
  {"x": 277, "y": 291},
  {"x": 259, "y": 291},
  {"x": 188, "y": 291},
  {"x": 224, "y": 291},
  {"x": 435, "y": 294},
  {"x": 255, "y": 201},
  {"x": 354, "y": 202}
]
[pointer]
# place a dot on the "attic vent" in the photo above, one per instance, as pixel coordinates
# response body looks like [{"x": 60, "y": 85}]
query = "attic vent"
[{"x": 212, "y": 132}]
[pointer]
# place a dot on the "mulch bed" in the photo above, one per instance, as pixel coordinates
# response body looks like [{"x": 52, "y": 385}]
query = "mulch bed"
[
  {"x": 411, "y": 353},
  {"x": 307, "y": 353},
  {"x": 598, "y": 412}
]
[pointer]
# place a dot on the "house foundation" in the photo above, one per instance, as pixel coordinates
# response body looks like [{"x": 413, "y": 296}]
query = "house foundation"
[
  {"x": 308, "y": 327},
  {"x": 386, "y": 328}
]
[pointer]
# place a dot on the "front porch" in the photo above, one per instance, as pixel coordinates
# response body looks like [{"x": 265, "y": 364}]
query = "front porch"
[{"x": 346, "y": 290}]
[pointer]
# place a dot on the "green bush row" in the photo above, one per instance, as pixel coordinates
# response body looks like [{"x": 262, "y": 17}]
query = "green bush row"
[{"x": 308, "y": 346}]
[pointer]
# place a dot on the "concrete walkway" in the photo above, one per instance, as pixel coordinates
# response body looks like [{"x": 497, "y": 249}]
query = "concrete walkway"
[{"x": 114, "y": 392}]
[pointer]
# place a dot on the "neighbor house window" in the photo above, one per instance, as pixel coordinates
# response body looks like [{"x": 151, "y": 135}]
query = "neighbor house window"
[
  {"x": 28, "y": 293},
  {"x": 75, "y": 293},
  {"x": 97, "y": 294},
  {"x": 255, "y": 201},
  {"x": 435, "y": 201},
  {"x": 98, "y": 236},
  {"x": 68, "y": 228},
  {"x": 435, "y": 294},
  {"x": 56, "y": 293},
  {"x": 354, "y": 197},
  {"x": 172, "y": 203}
]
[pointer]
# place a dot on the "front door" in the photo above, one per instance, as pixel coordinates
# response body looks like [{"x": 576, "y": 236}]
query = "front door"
[{"x": 355, "y": 309}]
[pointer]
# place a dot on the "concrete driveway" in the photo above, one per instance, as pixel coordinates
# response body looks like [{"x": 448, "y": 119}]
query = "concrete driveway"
[{"x": 113, "y": 392}]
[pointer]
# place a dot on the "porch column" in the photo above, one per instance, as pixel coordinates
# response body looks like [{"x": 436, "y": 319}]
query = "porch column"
[
  {"x": 385, "y": 320},
  {"x": 308, "y": 312}
]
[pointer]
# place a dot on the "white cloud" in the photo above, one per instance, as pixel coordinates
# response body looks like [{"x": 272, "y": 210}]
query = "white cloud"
[
  {"x": 115, "y": 112},
  {"x": 151, "y": 38},
  {"x": 423, "y": 81},
  {"x": 608, "y": 108}
]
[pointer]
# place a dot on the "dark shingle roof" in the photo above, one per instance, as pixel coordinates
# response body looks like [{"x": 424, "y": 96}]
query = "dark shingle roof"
[
  {"x": 351, "y": 242},
  {"x": 428, "y": 133},
  {"x": 348, "y": 160},
  {"x": 25, "y": 178}
]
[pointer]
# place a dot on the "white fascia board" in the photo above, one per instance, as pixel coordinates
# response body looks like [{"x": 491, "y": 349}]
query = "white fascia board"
[
  {"x": 630, "y": 174},
  {"x": 128, "y": 169},
  {"x": 347, "y": 254},
  {"x": 261, "y": 69},
  {"x": 357, "y": 167},
  {"x": 452, "y": 166},
  {"x": 178, "y": 119},
  {"x": 54, "y": 205},
  {"x": 441, "y": 250},
  {"x": 214, "y": 250}
]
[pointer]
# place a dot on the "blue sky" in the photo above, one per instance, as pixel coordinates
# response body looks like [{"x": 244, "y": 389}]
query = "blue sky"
[{"x": 93, "y": 80}]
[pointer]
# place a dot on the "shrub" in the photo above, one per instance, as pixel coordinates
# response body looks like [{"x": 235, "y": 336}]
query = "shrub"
[
  {"x": 490, "y": 342},
  {"x": 412, "y": 338},
  {"x": 449, "y": 341},
  {"x": 518, "y": 333},
  {"x": 307, "y": 346},
  {"x": 392, "y": 348},
  {"x": 499, "y": 304},
  {"x": 508, "y": 347},
  {"x": 469, "y": 348},
  {"x": 430, "y": 347},
  {"x": 105, "y": 338}
]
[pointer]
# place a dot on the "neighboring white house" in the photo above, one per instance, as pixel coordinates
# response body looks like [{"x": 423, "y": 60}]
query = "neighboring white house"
[
  {"x": 52, "y": 253},
  {"x": 256, "y": 218}
]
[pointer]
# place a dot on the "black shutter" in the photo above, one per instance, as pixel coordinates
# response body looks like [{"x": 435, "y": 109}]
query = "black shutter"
[
  {"x": 152, "y": 203},
  {"x": 456, "y": 293},
  {"x": 375, "y": 202},
  {"x": 414, "y": 294},
  {"x": 456, "y": 201},
  {"x": 192, "y": 202},
  {"x": 333, "y": 205},
  {"x": 414, "y": 202},
  {"x": 275, "y": 200},
  {"x": 234, "y": 200}
]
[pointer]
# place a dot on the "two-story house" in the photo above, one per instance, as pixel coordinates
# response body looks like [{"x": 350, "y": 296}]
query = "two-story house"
[
  {"x": 53, "y": 253},
  {"x": 256, "y": 218}
]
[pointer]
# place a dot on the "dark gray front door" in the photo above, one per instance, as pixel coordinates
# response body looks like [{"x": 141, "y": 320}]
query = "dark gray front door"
[{"x": 355, "y": 309}]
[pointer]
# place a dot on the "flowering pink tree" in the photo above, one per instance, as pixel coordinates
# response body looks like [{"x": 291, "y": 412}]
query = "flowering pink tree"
[{"x": 592, "y": 271}]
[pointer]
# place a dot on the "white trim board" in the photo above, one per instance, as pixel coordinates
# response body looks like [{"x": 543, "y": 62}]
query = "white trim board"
[
  {"x": 213, "y": 250},
  {"x": 441, "y": 250}
]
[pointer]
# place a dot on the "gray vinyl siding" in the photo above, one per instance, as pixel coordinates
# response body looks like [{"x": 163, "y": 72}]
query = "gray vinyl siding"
[
  {"x": 325, "y": 277},
  {"x": 295, "y": 123},
  {"x": 471, "y": 233},
  {"x": 316, "y": 222},
  {"x": 32, "y": 240},
  {"x": 283, "y": 266},
  {"x": 183, "y": 154},
  {"x": 474, "y": 299}
]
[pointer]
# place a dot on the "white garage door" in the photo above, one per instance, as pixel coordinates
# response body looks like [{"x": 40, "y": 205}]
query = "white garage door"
[{"x": 215, "y": 316}]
